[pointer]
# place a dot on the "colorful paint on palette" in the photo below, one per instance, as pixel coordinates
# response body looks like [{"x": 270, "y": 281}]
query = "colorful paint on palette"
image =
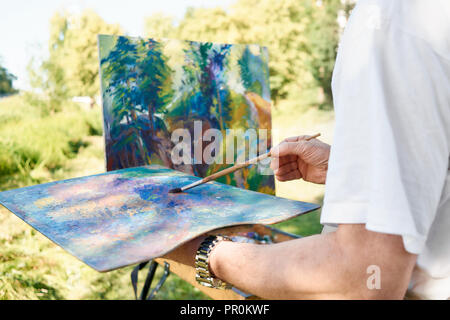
[
  {"x": 151, "y": 87},
  {"x": 127, "y": 216}
]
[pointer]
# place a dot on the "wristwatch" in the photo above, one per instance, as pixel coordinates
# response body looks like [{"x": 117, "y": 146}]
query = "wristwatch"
[{"x": 203, "y": 274}]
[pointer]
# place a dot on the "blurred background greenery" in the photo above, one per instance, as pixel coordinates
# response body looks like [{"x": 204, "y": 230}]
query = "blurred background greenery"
[{"x": 47, "y": 134}]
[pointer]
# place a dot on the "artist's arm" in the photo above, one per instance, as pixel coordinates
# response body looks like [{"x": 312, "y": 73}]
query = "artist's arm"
[{"x": 326, "y": 266}]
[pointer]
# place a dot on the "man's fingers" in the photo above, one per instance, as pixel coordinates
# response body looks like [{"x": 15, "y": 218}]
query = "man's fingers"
[
  {"x": 287, "y": 159},
  {"x": 286, "y": 168},
  {"x": 279, "y": 162},
  {"x": 296, "y": 138},
  {"x": 291, "y": 139},
  {"x": 287, "y": 148},
  {"x": 289, "y": 176}
]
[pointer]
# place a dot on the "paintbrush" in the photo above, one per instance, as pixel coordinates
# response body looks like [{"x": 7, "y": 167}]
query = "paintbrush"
[{"x": 229, "y": 170}]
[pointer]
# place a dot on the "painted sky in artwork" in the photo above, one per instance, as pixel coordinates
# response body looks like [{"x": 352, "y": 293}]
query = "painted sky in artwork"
[
  {"x": 152, "y": 87},
  {"x": 127, "y": 216}
]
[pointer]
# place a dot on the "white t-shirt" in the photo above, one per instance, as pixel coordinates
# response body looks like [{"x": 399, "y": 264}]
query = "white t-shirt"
[{"x": 389, "y": 163}]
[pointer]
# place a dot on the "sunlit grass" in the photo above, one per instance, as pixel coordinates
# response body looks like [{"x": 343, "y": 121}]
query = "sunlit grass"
[{"x": 35, "y": 148}]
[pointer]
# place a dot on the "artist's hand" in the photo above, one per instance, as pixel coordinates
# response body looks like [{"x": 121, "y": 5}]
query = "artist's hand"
[{"x": 296, "y": 158}]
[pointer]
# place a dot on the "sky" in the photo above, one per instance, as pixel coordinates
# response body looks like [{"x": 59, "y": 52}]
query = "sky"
[{"x": 24, "y": 24}]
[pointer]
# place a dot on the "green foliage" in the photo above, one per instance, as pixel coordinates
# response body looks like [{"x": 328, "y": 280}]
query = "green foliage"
[
  {"x": 36, "y": 146},
  {"x": 50, "y": 80},
  {"x": 6, "y": 82},
  {"x": 322, "y": 34},
  {"x": 72, "y": 66},
  {"x": 160, "y": 26},
  {"x": 301, "y": 36}
]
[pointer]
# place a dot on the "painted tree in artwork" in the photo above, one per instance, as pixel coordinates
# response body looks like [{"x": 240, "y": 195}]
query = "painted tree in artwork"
[
  {"x": 120, "y": 72},
  {"x": 202, "y": 92},
  {"x": 138, "y": 81},
  {"x": 206, "y": 65},
  {"x": 154, "y": 80},
  {"x": 216, "y": 68},
  {"x": 254, "y": 72}
]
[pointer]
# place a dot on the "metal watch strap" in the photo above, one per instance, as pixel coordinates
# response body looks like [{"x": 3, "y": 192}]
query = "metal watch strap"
[{"x": 203, "y": 275}]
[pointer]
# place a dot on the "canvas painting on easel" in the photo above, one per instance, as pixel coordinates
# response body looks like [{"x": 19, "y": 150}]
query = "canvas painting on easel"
[{"x": 152, "y": 88}]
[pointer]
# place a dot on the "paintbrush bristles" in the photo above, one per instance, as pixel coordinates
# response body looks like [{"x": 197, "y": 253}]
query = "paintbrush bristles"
[{"x": 176, "y": 190}]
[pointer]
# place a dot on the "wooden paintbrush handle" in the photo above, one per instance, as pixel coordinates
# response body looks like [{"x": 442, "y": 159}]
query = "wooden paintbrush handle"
[
  {"x": 236, "y": 167},
  {"x": 243, "y": 165},
  {"x": 313, "y": 137}
]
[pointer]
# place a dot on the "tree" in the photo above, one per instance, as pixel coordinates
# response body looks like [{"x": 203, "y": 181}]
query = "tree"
[
  {"x": 159, "y": 26},
  {"x": 153, "y": 77},
  {"x": 119, "y": 70},
  {"x": 49, "y": 78},
  {"x": 253, "y": 76},
  {"x": 301, "y": 37},
  {"x": 6, "y": 82},
  {"x": 72, "y": 65},
  {"x": 207, "y": 62},
  {"x": 322, "y": 34},
  {"x": 137, "y": 79}
]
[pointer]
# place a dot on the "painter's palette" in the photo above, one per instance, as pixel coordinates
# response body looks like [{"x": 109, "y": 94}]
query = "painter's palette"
[{"x": 122, "y": 217}]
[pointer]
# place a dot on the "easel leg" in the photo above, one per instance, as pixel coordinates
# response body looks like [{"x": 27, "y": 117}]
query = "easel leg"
[{"x": 148, "y": 280}]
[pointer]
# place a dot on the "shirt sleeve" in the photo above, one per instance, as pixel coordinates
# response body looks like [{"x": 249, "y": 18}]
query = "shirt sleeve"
[{"x": 390, "y": 153}]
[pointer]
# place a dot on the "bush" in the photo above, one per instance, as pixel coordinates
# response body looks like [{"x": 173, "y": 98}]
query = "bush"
[
  {"x": 15, "y": 158},
  {"x": 31, "y": 139}
]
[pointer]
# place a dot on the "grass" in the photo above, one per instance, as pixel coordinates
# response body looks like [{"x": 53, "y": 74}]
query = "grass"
[{"x": 37, "y": 148}]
